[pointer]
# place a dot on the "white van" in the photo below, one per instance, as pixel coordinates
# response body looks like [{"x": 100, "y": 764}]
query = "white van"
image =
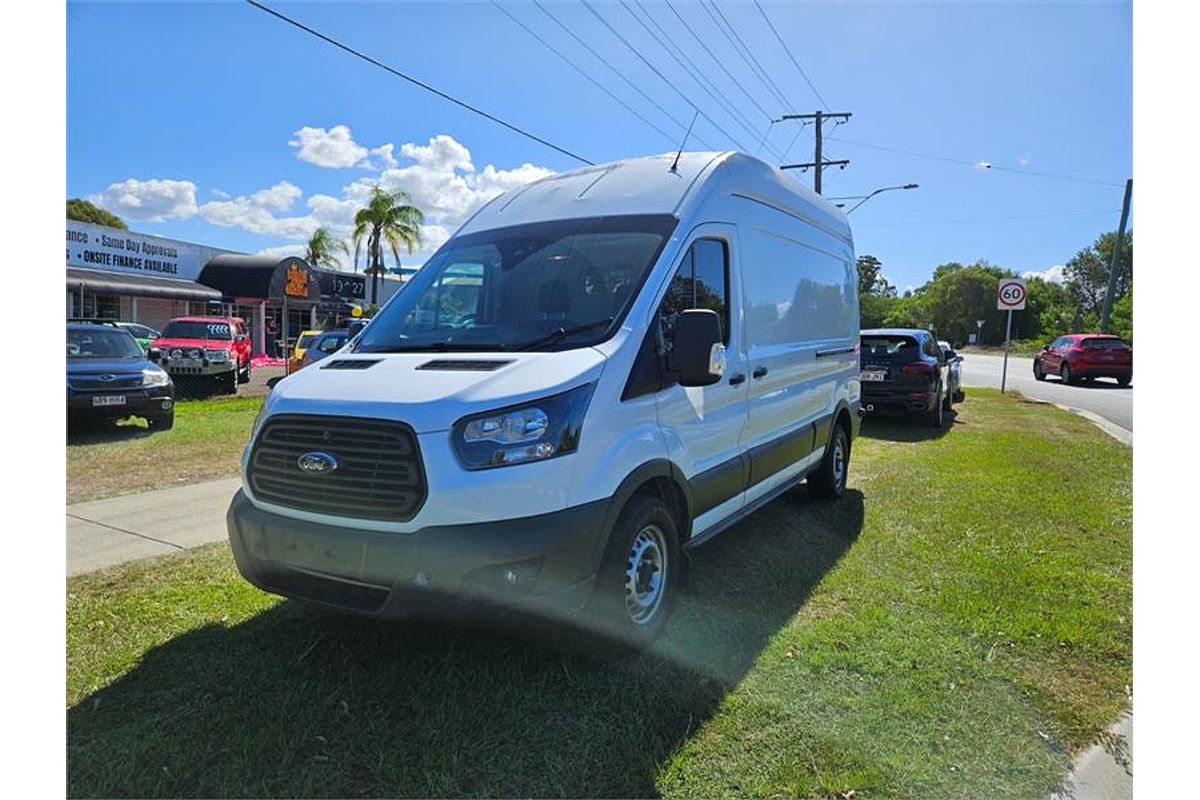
[{"x": 599, "y": 370}]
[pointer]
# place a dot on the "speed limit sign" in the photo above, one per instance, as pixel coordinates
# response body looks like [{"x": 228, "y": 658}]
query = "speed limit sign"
[{"x": 1011, "y": 295}]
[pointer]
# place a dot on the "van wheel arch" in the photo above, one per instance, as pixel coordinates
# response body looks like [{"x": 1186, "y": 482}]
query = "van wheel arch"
[{"x": 661, "y": 479}]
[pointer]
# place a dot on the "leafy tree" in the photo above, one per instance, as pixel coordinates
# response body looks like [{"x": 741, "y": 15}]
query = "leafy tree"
[
  {"x": 388, "y": 217},
  {"x": 1086, "y": 274},
  {"x": 876, "y": 295},
  {"x": 83, "y": 211},
  {"x": 1121, "y": 319},
  {"x": 321, "y": 248}
]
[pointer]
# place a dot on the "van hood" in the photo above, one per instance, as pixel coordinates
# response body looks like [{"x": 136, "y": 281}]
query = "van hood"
[{"x": 431, "y": 391}]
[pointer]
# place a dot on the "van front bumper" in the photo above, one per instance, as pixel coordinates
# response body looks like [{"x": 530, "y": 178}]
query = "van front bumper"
[{"x": 543, "y": 566}]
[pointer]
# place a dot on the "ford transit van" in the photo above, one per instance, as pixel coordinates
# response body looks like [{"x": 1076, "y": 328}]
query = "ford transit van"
[{"x": 597, "y": 372}]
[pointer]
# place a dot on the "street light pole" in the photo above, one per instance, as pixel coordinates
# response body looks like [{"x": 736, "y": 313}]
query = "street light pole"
[{"x": 878, "y": 191}]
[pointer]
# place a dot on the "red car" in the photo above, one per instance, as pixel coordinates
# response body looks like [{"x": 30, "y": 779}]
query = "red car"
[
  {"x": 215, "y": 349},
  {"x": 1084, "y": 356}
]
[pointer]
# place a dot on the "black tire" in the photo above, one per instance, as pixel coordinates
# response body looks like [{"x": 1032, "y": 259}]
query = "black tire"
[
  {"x": 1123, "y": 380},
  {"x": 1038, "y": 373},
  {"x": 228, "y": 383},
  {"x": 646, "y": 530},
  {"x": 1064, "y": 372},
  {"x": 161, "y": 423},
  {"x": 959, "y": 396},
  {"x": 828, "y": 481},
  {"x": 244, "y": 374},
  {"x": 934, "y": 417}
]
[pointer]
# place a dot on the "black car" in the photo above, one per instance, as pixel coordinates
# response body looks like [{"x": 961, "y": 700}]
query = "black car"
[
  {"x": 904, "y": 370},
  {"x": 110, "y": 377}
]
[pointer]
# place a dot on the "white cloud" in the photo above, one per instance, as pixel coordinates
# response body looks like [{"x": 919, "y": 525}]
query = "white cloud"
[
  {"x": 441, "y": 179},
  {"x": 328, "y": 148},
  {"x": 1051, "y": 275},
  {"x": 256, "y": 212},
  {"x": 153, "y": 200},
  {"x": 283, "y": 250}
]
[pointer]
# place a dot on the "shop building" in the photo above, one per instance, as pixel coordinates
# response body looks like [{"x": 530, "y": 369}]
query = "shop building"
[{"x": 116, "y": 274}]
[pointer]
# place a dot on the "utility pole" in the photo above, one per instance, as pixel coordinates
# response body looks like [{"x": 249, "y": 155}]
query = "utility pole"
[
  {"x": 1114, "y": 262},
  {"x": 818, "y": 163}
]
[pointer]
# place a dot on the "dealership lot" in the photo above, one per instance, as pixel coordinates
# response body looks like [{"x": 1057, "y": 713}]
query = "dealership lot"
[{"x": 803, "y": 631}]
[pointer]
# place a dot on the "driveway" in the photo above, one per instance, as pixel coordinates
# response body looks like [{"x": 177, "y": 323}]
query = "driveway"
[{"x": 1102, "y": 397}]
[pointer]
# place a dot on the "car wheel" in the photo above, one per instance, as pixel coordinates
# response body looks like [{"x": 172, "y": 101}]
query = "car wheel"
[
  {"x": 244, "y": 375},
  {"x": 228, "y": 382},
  {"x": 828, "y": 481},
  {"x": 1038, "y": 373},
  {"x": 934, "y": 417},
  {"x": 1123, "y": 380},
  {"x": 161, "y": 423},
  {"x": 1065, "y": 373},
  {"x": 639, "y": 575}
]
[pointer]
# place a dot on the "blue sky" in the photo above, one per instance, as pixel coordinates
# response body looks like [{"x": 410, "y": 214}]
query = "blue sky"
[{"x": 179, "y": 116}]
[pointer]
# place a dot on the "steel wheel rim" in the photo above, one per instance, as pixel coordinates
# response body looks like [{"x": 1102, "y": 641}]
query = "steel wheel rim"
[
  {"x": 839, "y": 461},
  {"x": 646, "y": 575}
]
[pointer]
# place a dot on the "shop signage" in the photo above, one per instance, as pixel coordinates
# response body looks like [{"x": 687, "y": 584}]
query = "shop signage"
[
  {"x": 109, "y": 249},
  {"x": 297, "y": 281}
]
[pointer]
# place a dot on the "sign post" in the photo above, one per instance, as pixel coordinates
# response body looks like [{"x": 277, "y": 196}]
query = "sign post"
[{"x": 1010, "y": 297}]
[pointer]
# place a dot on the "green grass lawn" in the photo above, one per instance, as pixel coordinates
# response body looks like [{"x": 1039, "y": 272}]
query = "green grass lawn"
[
  {"x": 955, "y": 627},
  {"x": 206, "y": 442}
]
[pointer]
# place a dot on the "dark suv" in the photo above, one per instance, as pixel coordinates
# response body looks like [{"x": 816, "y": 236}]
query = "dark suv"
[
  {"x": 109, "y": 377},
  {"x": 904, "y": 369}
]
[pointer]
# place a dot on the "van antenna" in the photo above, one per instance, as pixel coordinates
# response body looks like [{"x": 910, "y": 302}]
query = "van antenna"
[{"x": 675, "y": 164}]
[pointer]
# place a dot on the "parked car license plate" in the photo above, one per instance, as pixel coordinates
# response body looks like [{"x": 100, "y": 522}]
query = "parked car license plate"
[
  {"x": 874, "y": 375},
  {"x": 108, "y": 400},
  {"x": 185, "y": 362}
]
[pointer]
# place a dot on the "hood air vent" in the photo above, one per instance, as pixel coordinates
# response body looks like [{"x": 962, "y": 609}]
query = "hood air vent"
[
  {"x": 464, "y": 365},
  {"x": 351, "y": 363}
]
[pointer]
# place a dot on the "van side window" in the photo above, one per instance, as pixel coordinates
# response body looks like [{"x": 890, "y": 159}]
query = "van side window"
[{"x": 702, "y": 281}]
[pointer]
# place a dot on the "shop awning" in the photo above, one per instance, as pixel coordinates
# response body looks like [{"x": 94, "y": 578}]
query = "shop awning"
[
  {"x": 262, "y": 277},
  {"x": 129, "y": 285}
]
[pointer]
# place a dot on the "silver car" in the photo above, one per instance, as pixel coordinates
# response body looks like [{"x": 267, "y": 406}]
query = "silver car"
[{"x": 954, "y": 362}]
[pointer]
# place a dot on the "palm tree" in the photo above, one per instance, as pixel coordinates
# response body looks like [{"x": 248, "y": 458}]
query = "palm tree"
[
  {"x": 321, "y": 248},
  {"x": 387, "y": 217}
]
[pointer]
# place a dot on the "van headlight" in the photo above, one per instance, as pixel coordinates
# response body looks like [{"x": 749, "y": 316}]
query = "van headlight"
[{"x": 532, "y": 431}]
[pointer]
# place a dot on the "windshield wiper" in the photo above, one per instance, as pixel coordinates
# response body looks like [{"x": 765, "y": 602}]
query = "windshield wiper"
[{"x": 562, "y": 333}]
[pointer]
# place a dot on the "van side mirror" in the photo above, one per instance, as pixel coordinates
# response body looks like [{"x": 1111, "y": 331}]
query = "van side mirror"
[
  {"x": 154, "y": 355},
  {"x": 698, "y": 356}
]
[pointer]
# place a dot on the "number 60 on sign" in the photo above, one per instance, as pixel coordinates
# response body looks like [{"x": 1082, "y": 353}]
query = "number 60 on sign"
[{"x": 1011, "y": 294}]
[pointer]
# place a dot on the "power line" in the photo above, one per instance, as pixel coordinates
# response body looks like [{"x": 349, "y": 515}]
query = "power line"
[
  {"x": 788, "y": 50},
  {"x": 994, "y": 219},
  {"x": 746, "y": 56},
  {"x": 580, "y": 70},
  {"x": 618, "y": 72},
  {"x": 975, "y": 165},
  {"x": 418, "y": 82},
  {"x": 722, "y": 104},
  {"x": 662, "y": 77},
  {"x": 716, "y": 60}
]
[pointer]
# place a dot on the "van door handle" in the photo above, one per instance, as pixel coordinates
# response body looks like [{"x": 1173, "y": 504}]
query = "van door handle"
[
  {"x": 737, "y": 379},
  {"x": 759, "y": 372}
]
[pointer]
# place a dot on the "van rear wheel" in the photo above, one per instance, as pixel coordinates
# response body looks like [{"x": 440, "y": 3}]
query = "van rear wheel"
[
  {"x": 639, "y": 576},
  {"x": 828, "y": 482}
]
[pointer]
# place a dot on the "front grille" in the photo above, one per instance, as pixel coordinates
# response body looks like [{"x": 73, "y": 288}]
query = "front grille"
[
  {"x": 378, "y": 473},
  {"x": 92, "y": 383}
]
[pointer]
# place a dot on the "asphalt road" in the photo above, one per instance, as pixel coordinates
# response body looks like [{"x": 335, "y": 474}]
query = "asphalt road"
[{"x": 1101, "y": 396}]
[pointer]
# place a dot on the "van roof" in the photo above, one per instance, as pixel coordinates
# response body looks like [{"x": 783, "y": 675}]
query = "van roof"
[{"x": 648, "y": 186}]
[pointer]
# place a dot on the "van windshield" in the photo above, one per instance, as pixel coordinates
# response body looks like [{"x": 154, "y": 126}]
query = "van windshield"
[{"x": 546, "y": 285}]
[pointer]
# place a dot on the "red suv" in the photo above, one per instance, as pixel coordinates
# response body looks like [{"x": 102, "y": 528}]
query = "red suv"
[
  {"x": 216, "y": 349},
  {"x": 1084, "y": 356}
]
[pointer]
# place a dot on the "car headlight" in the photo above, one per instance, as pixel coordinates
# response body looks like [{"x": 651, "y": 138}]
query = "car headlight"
[
  {"x": 532, "y": 431},
  {"x": 216, "y": 355},
  {"x": 155, "y": 377}
]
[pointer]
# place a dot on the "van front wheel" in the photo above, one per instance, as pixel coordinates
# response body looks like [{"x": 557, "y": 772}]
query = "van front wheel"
[
  {"x": 638, "y": 579},
  {"x": 828, "y": 482}
]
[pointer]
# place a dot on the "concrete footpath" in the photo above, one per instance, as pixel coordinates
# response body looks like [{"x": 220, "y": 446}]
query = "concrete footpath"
[{"x": 102, "y": 533}]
